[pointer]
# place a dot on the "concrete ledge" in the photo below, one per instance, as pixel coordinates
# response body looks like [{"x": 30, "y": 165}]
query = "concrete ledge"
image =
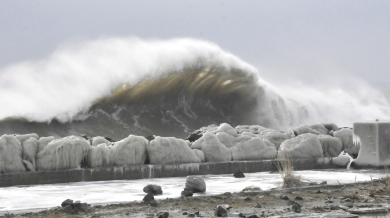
[{"x": 132, "y": 172}]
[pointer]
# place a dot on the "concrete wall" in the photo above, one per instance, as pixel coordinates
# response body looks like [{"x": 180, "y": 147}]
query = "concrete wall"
[{"x": 153, "y": 171}]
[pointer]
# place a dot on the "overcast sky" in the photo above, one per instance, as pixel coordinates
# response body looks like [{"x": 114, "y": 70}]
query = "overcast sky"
[{"x": 283, "y": 39}]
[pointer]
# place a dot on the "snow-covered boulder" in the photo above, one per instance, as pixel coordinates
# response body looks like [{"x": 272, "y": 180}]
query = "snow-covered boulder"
[
  {"x": 302, "y": 146},
  {"x": 22, "y": 138},
  {"x": 43, "y": 141},
  {"x": 346, "y": 136},
  {"x": 330, "y": 126},
  {"x": 341, "y": 160},
  {"x": 131, "y": 150},
  {"x": 99, "y": 156},
  {"x": 305, "y": 129},
  {"x": 10, "y": 154},
  {"x": 254, "y": 129},
  {"x": 253, "y": 149},
  {"x": 331, "y": 146},
  {"x": 30, "y": 150},
  {"x": 65, "y": 153},
  {"x": 166, "y": 150},
  {"x": 200, "y": 154},
  {"x": 99, "y": 140},
  {"x": 275, "y": 137},
  {"x": 213, "y": 149},
  {"x": 224, "y": 127},
  {"x": 320, "y": 128}
]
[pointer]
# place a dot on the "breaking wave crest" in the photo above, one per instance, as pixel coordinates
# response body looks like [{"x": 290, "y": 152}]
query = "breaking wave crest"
[{"x": 120, "y": 86}]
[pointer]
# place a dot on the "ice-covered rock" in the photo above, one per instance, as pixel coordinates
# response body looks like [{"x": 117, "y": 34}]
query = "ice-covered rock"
[
  {"x": 65, "y": 153},
  {"x": 131, "y": 150},
  {"x": 275, "y": 137},
  {"x": 22, "y": 138},
  {"x": 253, "y": 149},
  {"x": 200, "y": 154},
  {"x": 330, "y": 126},
  {"x": 346, "y": 136},
  {"x": 254, "y": 129},
  {"x": 226, "y": 139},
  {"x": 30, "y": 150},
  {"x": 303, "y": 146},
  {"x": 213, "y": 149},
  {"x": 99, "y": 156},
  {"x": 224, "y": 127},
  {"x": 166, "y": 150},
  {"x": 43, "y": 141},
  {"x": 195, "y": 184},
  {"x": 331, "y": 146},
  {"x": 320, "y": 128},
  {"x": 99, "y": 140},
  {"x": 341, "y": 160},
  {"x": 305, "y": 129},
  {"x": 10, "y": 154}
]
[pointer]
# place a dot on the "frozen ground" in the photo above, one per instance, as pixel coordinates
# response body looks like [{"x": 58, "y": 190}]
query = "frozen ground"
[{"x": 21, "y": 198}]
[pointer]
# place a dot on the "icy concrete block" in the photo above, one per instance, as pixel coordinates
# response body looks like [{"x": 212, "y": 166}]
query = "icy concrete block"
[{"x": 374, "y": 140}]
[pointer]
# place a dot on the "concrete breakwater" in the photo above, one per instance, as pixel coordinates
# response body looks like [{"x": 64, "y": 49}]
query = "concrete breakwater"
[{"x": 132, "y": 172}]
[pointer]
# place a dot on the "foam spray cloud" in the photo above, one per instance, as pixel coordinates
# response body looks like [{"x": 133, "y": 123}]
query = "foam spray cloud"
[{"x": 71, "y": 80}]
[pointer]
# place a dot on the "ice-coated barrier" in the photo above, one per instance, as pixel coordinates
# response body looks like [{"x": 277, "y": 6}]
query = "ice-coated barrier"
[{"x": 374, "y": 141}]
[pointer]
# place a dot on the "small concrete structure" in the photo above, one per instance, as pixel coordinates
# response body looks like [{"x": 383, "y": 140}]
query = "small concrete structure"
[{"x": 374, "y": 140}]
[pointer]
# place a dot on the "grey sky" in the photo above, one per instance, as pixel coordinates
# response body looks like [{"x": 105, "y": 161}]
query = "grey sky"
[{"x": 284, "y": 39}]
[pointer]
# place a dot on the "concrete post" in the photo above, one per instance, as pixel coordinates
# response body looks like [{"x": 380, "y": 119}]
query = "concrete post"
[{"x": 374, "y": 140}]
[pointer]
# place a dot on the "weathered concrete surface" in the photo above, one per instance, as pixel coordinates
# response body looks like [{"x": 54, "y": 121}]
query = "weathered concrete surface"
[
  {"x": 132, "y": 172},
  {"x": 374, "y": 140}
]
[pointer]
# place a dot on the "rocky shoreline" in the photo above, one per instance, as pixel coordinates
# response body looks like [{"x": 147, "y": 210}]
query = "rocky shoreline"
[{"x": 363, "y": 199}]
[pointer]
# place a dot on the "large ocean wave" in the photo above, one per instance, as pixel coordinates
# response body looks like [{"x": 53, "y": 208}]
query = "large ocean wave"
[{"x": 120, "y": 86}]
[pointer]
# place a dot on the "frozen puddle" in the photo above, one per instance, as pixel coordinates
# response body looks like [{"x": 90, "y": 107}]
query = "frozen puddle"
[{"x": 19, "y": 198}]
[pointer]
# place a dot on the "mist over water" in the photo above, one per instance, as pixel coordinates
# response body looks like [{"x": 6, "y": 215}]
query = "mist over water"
[{"x": 122, "y": 86}]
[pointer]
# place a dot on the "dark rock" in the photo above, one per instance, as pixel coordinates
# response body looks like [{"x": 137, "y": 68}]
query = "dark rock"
[
  {"x": 185, "y": 213},
  {"x": 296, "y": 207},
  {"x": 247, "y": 199},
  {"x": 191, "y": 215},
  {"x": 154, "y": 189},
  {"x": 238, "y": 174},
  {"x": 109, "y": 139},
  {"x": 164, "y": 215},
  {"x": 328, "y": 202},
  {"x": 187, "y": 193},
  {"x": 197, "y": 213},
  {"x": 258, "y": 206},
  {"x": 241, "y": 215},
  {"x": 68, "y": 209},
  {"x": 195, "y": 184},
  {"x": 150, "y": 138},
  {"x": 324, "y": 183},
  {"x": 319, "y": 192},
  {"x": 78, "y": 206},
  {"x": 220, "y": 211},
  {"x": 251, "y": 188},
  {"x": 195, "y": 136},
  {"x": 84, "y": 136},
  {"x": 153, "y": 203},
  {"x": 66, "y": 202},
  {"x": 253, "y": 216},
  {"x": 148, "y": 197},
  {"x": 284, "y": 197},
  {"x": 298, "y": 198}
]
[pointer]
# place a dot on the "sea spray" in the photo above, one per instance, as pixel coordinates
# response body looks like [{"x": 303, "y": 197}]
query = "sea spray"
[{"x": 120, "y": 86}]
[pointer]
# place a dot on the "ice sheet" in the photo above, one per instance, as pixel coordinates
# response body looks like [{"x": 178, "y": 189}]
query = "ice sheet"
[{"x": 20, "y": 198}]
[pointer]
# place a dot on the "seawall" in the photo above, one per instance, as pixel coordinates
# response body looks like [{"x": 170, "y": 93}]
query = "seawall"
[{"x": 133, "y": 172}]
